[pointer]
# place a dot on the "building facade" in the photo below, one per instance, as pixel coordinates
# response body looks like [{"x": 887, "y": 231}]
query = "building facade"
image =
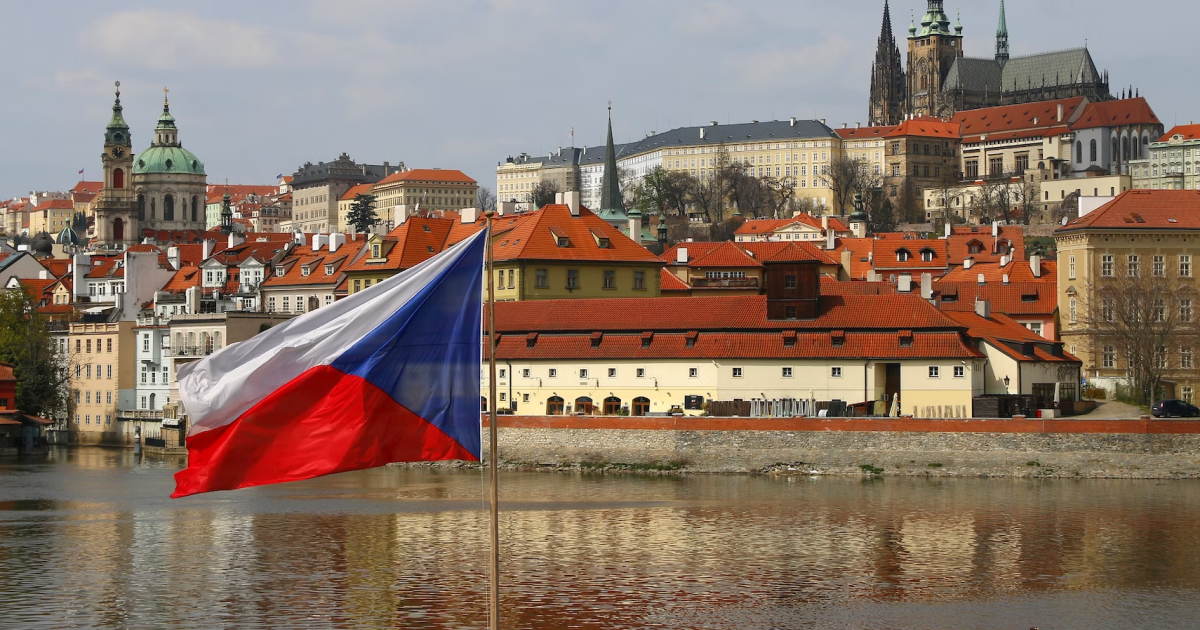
[
  {"x": 102, "y": 368},
  {"x": 1172, "y": 162},
  {"x": 169, "y": 181},
  {"x": 316, "y": 189}
]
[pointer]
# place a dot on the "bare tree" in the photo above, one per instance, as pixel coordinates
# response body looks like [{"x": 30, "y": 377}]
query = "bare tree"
[
  {"x": 996, "y": 199},
  {"x": 543, "y": 194},
  {"x": 844, "y": 177},
  {"x": 1143, "y": 315},
  {"x": 1068, "y": 208},
  {"x": 1025, "y": 192},
  {"x": 665, "y": 191},
  {"x": 485, "y": 199},
  {"x": 706, "y": 196}
]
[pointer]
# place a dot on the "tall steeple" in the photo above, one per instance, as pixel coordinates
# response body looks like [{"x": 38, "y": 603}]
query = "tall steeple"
[
  {"x": 166, "y": 134},
  {"x": 887, "y": 77},
  {"x": 117, "y": 132},
  {"x": 1002, "y": 36},
  {"x": 610, "y": 187}
]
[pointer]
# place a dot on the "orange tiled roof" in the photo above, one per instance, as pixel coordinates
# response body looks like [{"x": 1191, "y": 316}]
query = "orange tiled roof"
[
  {"x": 7, "y": 373},
  {"x": 87, "y": 188},
  {"x": 428, "y": 175},
  {"x": 788, "y": 251},
  {"x": 1131, "y": 111},
  {"x": 1143, "y": 210},
  {"x": 961, "y": 238},
  {"x": 725, "y": 254},
  {"x": 316, "y": 262},
  {"x": 926, "y": 127},
  {"x": 1017, "y": 298},
  {"x": 860, "y": 255},
  {"x": 768, "y": 226},
  {"x": 411, "y": 243},
  {"x": 535, "y": 237},
  {"x": 360, "y": 189},
  {"x": 184, "y": 279},
  {"x": 864, "y": 133},
  {"x": 55, "y": 204},
  {"x": 885, "y": 254},
  {"x": 1189, "y": 132},
  {"x": 58, "y": 267},
  {"x": 1000, "y": 328},
  {"x": 1011, "y": 118},
  {"x": 669, "y": 282},
  {"x": 1017, "y": 271},
  {"x": 831, "y": 286}
]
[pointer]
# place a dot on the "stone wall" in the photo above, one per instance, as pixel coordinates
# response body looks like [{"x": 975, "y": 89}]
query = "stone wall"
[{"x": 990, "y": 448}]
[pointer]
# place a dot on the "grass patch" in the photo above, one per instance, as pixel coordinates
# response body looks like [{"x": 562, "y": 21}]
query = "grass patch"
[
  {"x": 871, "y": 469},
  {"x": 935, "y": 465},
  {"x": 1038, "y": 464}
]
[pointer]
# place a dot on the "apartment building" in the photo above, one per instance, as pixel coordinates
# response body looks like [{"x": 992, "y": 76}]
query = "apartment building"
[
  {"x": 1172, "y": 162},
  {"x": 102, "y": 372},
  {"x": 428, "y": 190},
  {"x": 316, "y": 189}
]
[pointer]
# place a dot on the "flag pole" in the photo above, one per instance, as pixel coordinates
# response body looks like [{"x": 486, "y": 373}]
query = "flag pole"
[{"x": 494, "y": 512}]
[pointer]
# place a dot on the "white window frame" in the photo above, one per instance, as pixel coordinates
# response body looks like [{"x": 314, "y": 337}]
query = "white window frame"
[
  {"x": 960, "y": 371},
  {"x": 738, "y": 372},
  {"x": 693, "y": 372},
  {"x": 935, "y": 371},
  {"x": 835, "y": 371},
  {"x": 787, "y": 372}
]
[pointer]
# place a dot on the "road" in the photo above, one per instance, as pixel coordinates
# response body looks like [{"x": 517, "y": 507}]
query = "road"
[{"x": 1113, "y": 409}]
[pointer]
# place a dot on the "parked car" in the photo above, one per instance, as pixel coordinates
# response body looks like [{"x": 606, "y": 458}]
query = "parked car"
[{"x": 1174, "y": 409}]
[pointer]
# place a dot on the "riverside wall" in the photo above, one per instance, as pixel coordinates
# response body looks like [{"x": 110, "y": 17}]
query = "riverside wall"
[{"x": 1134, "y": 449}]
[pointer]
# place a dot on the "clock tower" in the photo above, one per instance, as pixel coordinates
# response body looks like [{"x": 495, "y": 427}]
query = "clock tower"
[{"x": 116, "y": 213}]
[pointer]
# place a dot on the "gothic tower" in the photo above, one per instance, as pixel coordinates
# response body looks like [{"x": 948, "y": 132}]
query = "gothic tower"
[
  {"x": 888, "y": 97},
  {"x": 1002, "y": 37},
  {"x": 116, "y": 224},
  {"x": 932, "y": 50},
  {"x": 610, "y": 187}
]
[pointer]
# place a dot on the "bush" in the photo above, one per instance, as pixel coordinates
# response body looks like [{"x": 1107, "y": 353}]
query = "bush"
[{"x": 1095, "y": 393}]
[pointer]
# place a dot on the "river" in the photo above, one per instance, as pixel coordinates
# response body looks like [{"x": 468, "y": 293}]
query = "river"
[{"x": 90, "y": 539}]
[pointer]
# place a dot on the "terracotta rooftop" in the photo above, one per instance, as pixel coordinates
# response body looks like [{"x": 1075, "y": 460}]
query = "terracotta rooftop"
[
  {"x": 1143, "y": 210},
  {"x": 1015, "y": 298},
  {"x": 1013, "y": 118},
  {"x": 354, "y": 191},
  {"x": 864, "y": 133},
  {"x": 1189, "y": 132},
  {"x": 1017, "y": 271},
  {"x": 1003, "y": 333},
  {"x": 926, "y": 127},
  {"x": 450, "y": 176},
  {"x": 887, "y": 253},
  {"x": 1131, "y": 111},
  {"x": 416, "y": 240},
  {"x": 553, "y": 234}
]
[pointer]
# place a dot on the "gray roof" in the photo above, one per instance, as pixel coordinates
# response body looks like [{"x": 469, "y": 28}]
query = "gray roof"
[
  {"x": 1065, "y": 67},
  {"x": 342, "y": 169},
  {"x": 770, "y": 131}
]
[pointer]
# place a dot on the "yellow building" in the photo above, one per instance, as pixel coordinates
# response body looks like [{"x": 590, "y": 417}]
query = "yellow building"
[
  {"x": 102, "y": 369},
  {"x": 51, "y": 216},
  {"x": 416, "y": 240},
  {"x": 1150, "y": 234},
  {"x": 401, "y": 195},
  {"x": 564, "y": 251}
]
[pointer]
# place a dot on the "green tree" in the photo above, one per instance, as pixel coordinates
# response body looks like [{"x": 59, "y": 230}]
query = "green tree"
[
  {"x": 362, "y": 212},
  {"x": 79, "y": 223},
  {"x": 42, "y": 385},
  {"x": 543, "y": 194}
]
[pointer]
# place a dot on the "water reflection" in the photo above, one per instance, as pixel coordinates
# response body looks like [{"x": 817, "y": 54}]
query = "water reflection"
[{"x": 90, "y": 539}]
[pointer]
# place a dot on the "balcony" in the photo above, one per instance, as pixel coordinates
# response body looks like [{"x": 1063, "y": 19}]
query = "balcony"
[
  {"x": 725, "y": 283},
  {"x": 139, "y": 414},
  {"x": 193, "y": 351}
]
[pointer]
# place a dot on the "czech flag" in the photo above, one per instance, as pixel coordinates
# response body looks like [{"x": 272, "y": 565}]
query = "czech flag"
[{"x": 389, "y": 374}]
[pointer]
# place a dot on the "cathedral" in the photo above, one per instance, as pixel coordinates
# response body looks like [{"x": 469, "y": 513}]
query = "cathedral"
[
  {"x": 940, "y": 80},
  {"x": 161, "y": 188}
]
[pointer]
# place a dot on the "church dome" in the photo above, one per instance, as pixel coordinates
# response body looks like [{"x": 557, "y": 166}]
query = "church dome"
[
  {"x": 68, "y": 237},
  {"x": 167, "y": 160},
  {"x": 42, "y": 245}
]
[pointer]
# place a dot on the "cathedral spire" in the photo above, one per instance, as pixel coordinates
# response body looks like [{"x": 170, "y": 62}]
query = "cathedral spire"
[
  {"x": 118, "y": 130},
  {"x": 888, "y": 85},
  {"x": 1002, "y": 36},
  {"x": 610, "y": 187}
]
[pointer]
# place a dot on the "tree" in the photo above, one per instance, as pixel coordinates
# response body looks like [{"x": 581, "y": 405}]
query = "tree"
[
  {"x": 543, "y": 194},
  {"x": 485, "y": 200},
  {"x": 1025, "y": 192},
  {"x": 79, "y": 223},
  {"x": 1145, "y": 319},
  {"x": 1067, "y": 209},
  {"x": 362, "y": 212},
  {"x": 665, "y": 191},
  {"x": 882, "y": 217},
  {"x": 844, "y": 177},
  {"x": 42, "y": 380},
  {"x": 996, "y": 199}
]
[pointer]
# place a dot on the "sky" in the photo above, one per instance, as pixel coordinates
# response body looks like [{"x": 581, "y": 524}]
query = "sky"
[{"x": 259, "y": 87}]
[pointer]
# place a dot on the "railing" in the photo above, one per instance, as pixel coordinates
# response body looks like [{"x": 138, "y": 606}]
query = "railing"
[
  {"x": 725, "y": 283},
  {"x": 139, "y": 414},
  {"x": 192, "y": 351}
]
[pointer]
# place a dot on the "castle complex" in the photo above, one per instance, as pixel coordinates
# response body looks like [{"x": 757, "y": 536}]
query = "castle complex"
[{"x": 940, "y": 80}]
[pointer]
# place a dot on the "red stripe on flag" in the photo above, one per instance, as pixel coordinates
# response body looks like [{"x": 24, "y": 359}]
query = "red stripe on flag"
[{"x": 321, "y": 423}]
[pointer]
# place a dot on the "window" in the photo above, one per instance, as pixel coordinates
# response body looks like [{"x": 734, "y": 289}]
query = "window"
[
  {"x": 1161, "y": 359},
  {"x": 525, "y": 373},
  {"x": 787, "y": 372},
  {"x": 553, "y": 373},
  {"x": 1185, "y": 310},
  {"x": 1160, "y": 310},
  {"x": 543, "y": 278},
  {"x": 835, "y": 372},
  {"x": 641, "y": 372},
  {"x": 503, "y": 373},
  {"x": 935, "y": 371},
  {"x": 572, "y": 278},
  {"x": 1071, "y": 267},
  {"x": 789, "y": 281},
  {"x": 610, "y": 279},
  {"x": 1185, "y": 358},
  {"x": 583, "y": 373},
  {"x": 902, "y": 255},
  {"x": 1188, "y": 393},
  {"x": 737, "y": 372},
  {"x": 639, "y": 280},
  {"x": 790, "y": 312},
  {"x": 525, "y": 398},
  {"x": 1160, "y": 266},
  {"x": 927, "y": 255},
  {"x": 1185, "y": 267},
  {"x": 1092, "y": 151},
  {"x": 108, "y": 346},
  {"x": 145, "y": 343},
  {"x": 1073, "y": 311},
  {"x": 960, "y": 371},
  {"x": 1134, "y": 265},
  {"x": 1106, "y": 309},
  {"x": 512, "y": 278},
  {"x": 89, "y": 370},
  {"x": 612, "y": 372},
  {"x": 271, "y": 300},
  {"x": 1035, "y": 328},
  {"x": 503, "y": 396},
  {"x": 693, "y": 372},
  {"x": 1079, "y": 151},
  {"x": 108, "y": 371},
  {"x": 1106, "y": 266},
  {"x": 107, "y": 397},
  {"x": 1110, "y": 357},
  {"x": 287, "y": 305}
]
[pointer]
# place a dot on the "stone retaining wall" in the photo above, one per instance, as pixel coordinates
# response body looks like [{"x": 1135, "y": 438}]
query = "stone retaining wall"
[{"x": 990, "y": 448}]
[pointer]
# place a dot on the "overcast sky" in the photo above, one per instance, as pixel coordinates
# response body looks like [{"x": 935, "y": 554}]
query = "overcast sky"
[{"x": 260, "y": 87}]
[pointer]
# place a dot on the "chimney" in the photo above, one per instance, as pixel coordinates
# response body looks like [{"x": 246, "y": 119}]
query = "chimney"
[
  {"x": 793, "y": 121},
  {"x": 44, "y": 275},
  {"x": 1004, "y": 278},
  {"x": 927, "y": 286},
  {"x": 982, "y": 280},
  {"x": 206, "y": 250},
  {"x": 968, "y": 263},
  {"x": 830, "y": 240},
  {"x": 983, "y": 308},
  {"x": 948, "y": 229},
  {"x": 469, "y": 215},
  {"x": 1035, "y": 265},
  {"x": 681, "y": 255},
  {"x": 505, "y": 208},
  {"x": 318, "y": 241},
  {"x": 173, "y": 257},
  {"x": 845, "y": 125},
  {"x": 192, "y": 300},
  {"x": 572, "y": 201},
  {"x": 858, "y": 125},
  {"x": 635, "y": 227},
  {"x": 995, "y": 229},
  {"x": 904, "y": 284},
  {"x": 825, "y": 222},
  {"x": 1060, "y": 112},
  {"x": 335, "y": 242},
  {"x": 558, "y": 198},
  {"x": 822, "y": 121},
  {"x": 1004, "y": 260},
  {"x": 702, "y": 133},
  {"x": 236, "y": 238}
]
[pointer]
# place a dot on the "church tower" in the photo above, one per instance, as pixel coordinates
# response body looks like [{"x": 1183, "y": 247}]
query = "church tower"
[
  {"x": 116, "y": 224},
  {"x": 1002, "y": 37},
  {"x": 888, "y": 97},
  {"x": 932, "y": 50}
]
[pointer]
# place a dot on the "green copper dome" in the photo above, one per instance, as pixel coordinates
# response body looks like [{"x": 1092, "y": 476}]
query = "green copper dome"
[
  {"x": 167, "y": 159},
  {"x": 68, "y": 237}
]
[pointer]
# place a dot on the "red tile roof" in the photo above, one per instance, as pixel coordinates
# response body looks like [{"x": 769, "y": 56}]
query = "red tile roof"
[
  {"x": 1014, "y": 118},
  {"x": 670, "y": 282},
  {"x": 999, "y": 329},
  {"x": 1008, "y": 238},
  {"x": 1131, "y": 111},
  {"x": 413, "y": 242},
  {"x": 6, "y": 372},
  {"x": 1017, "y": 271},
  {"x": 736, "y": 312},
  {"x": 55, "y": 204},
  {"x": 1016, "y": 298},
  {"x": 450, "y": 176},
  {"x": 1143, "y": 210},
  {"x": 768, "y": 226},
  {"x": 886, "y": 252},
  {"x": 830, "y": 286},
  {"x": 184, "y": 279},
  {"x": 725, "y": 254},
  {"x": 361, "y": 189},
  {"x": 87, "y": 188},
  {"x": 58, "y": 267},
  {"x": 860, "y": 255},
  {"x": 926, "y": 127},
  {"x": 788, "y": 251},
  {"x": 1189, "y": 132},
  {"x": 864, "y": 133},
  {"x": 532, "y": 237},
  {"x": 315, "y": 262}
]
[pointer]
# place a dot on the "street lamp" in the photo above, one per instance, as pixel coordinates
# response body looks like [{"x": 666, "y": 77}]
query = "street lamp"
[{"x": 1006, "y": 382}]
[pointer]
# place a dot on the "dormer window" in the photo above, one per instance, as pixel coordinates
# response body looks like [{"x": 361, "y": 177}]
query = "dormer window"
[
  {"x": 329, "y": 270},
  {"x": 927, "y": 255},
  {"x": 903, "y": 255},
  {"x": 280, "y": 271},
  {"x": 375, "y": 250},
  {"x": 305, "y": 270},
  {"x": 560, "y": 237},
  {"x": 602, "y": 242},
  {"x": 975, "y": 247},
  {"x": 426, "y": 227}
]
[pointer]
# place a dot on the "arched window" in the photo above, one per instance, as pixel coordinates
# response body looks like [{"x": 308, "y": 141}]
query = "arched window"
[
  {"x": 217, "y": 340},
  {"x": 118, "y": 229},
  {"x": 119, "y": 178},
  {"x": 153, "y": 213},
  {"x": 169, "y": 208},
  {"x": 195, "y": 203},
  {"x": 206, "y": 342},
  {"x": 554, "y": 406},
  {"x": 152, "y": 405},
  {"x": 903, "y": 255},
  {"x": 1116, "y": 150},
  {"x": 583, "y": 405},
  {"x": 1092, "y": 150},
  {"x": 1079, "y": 152},
  {"x": 612, "y": 406},
  {"x": 141, "y": 207},
  {"x": 1137, "y": 148},
  {"x": 191, "y": 340},
  {"x": 178, "y": 342},
  {"x": 641, "y": 406},
  {"x": 1125, "y": 147}
]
